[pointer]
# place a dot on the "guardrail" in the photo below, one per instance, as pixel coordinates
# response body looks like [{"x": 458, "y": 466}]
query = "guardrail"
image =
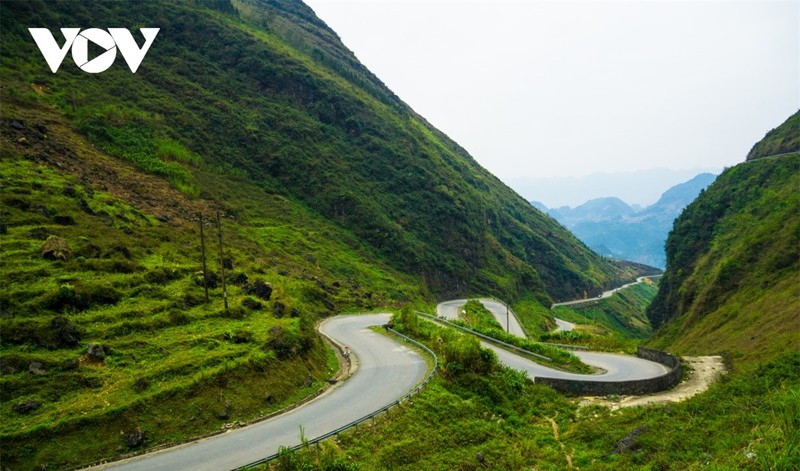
[
  {"x": 483, "y": 336},
  {"x": 366, "y": 417}
]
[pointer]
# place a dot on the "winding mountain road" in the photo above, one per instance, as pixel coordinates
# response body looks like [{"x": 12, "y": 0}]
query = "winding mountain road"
[
  {"x": 386, "y": 371},
  {"x": 501, "y": 313},
  {"x": 615, "y": 367},
  {"x": 603, "y": 295}
]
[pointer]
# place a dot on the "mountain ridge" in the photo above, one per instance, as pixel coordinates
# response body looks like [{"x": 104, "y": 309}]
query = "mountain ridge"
[
  {"x": 613, "y": 228},
  {"x": 730, "y": 285},
  {"x": 249, "y": 142}
]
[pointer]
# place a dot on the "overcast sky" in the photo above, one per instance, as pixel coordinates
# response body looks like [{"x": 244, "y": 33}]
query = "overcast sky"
[{"x": 559, "y": 88}]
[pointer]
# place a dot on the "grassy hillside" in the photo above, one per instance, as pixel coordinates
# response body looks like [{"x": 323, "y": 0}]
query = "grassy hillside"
[
  {"x": 478, "y": 415},
  {"x": 783, "y": 139},
  {"x": 172, "y": 366},
  {"x": 731, "y": 284},
  {"x": 622, "y": 314},
  {"x": 333, "y": 195},
  {"x": 266, "y": 92}
]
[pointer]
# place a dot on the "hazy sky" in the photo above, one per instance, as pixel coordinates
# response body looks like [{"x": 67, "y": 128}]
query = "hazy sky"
[{"x": 560, "y": 88}]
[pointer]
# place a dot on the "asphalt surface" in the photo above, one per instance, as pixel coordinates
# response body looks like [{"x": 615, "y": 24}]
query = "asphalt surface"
[
  {"x": 386, "y": 371},
  {"x": 614, "y": 367},
  {"x": 603, "y": 295},
  {"x": 561, "y": 324},
  {"x": 451, "y": 309}
]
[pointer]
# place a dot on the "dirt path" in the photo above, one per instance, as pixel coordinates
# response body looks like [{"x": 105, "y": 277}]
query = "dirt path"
[{"x": 704, "y": 372}]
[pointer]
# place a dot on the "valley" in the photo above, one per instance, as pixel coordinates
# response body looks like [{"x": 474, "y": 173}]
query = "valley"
[{"x": 183, "y": 250}]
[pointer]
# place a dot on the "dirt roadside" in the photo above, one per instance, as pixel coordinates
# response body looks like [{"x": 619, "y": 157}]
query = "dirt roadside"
[{"x": 704, "y": 371}]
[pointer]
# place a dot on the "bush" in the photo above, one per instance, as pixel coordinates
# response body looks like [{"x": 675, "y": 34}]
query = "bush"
[{"x": 80, "y": 296}]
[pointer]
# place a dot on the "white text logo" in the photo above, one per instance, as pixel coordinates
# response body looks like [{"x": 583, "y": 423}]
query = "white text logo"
[{"x": 111, "y": 40}]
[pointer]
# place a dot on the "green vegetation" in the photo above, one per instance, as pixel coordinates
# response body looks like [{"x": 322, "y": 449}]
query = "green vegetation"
[
  {"x": 622, "y": 314},
  {"x": 477, "y": 317},
  {"x": 132, "y": 286},
  {"x": 500, "y": 420},
  {"x": 781, "y": 140},
  {"x": 334, "y": 196},
  {"x": 285, "y": 106},
  {"x": 481, "y": 320},
  {"x": 732, "y": 262}
]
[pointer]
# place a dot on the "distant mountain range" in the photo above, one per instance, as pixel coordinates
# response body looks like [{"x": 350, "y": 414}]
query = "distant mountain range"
[
  {"x": 636, "y": 187},
  {"x": 613, "y": 228}
]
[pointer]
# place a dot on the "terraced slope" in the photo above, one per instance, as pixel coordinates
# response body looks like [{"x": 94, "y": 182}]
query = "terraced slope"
[{"x": 333, "y": 196}]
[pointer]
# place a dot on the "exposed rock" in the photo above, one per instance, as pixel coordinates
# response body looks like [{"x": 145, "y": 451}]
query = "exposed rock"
[
  {"x": 44, "y": 210},
  {"x": 64, "y": 332},
  {"x": 17, "y": 125},
  {"x": 311, "y": 259},
  {"x": 480, "y": 458},
  {"x": 628, "y": 443},
  {"x": 56, "y": 248},
  {"x": 36, "y": 368},
  {"x": 69, "y": 191},
  {"x": 141, "y": 384},
  {"x": 26, "y": 407},
  {"x": 124, "y": 251},
  {"x": 294, "y": 313},
  {"x": 308, "y": 381},
  {"x": 260, "y": 289},
  {"x": 96, "y": 351},
  {"x": 223, "y": 414},
  {"x": 38, "y": 233},
  {"x": 133, "y": 438},
  {"x": 238, "y": 279},
  {"x": 211, "y": 279},
  {"x": 278, "y": 309},
  {"x": 89, "y": 251},
  {"x": 328, "y": 305},
  {"x": 85, "y": 207},
  {"x": 251, "y": 303},
  {"x": 64, "y": 220}
]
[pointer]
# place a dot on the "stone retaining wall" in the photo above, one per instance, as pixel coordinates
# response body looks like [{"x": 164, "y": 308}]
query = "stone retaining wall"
[{"x": 633, "y": 387}]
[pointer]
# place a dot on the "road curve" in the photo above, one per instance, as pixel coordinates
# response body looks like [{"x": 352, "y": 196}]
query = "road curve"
[
  {"x": 501, "y": 313},
  {"x": 615, "y": 367},
  {"x": 387, "y": 370},
  {"x": 604, "y": 294},
  {"x": 561, "y": 324}
]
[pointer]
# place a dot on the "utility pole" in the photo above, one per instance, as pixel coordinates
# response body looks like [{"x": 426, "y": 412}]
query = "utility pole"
[
  {"x": 222, "y": 263},
  {"x": 203, "y": 255}
]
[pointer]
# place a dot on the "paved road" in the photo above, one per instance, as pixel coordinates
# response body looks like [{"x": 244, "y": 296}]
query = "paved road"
[
  {"x": 451, "y": 309},
  {"x": 615, "y": 367},
  {"x": 386, "y": 371},
  {"x": 561, "y": 324},
  {"x": 605, "y": 294}
]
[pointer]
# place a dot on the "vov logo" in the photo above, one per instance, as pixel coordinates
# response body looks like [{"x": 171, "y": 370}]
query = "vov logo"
[{"x": 111, "y": 40}]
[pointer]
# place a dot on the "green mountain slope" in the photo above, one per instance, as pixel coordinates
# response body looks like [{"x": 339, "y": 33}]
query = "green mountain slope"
[
  {"x": 785, "y": 138},
  {"x": 733, "y": 260},
  {"x": 622, "y": 314},
  {"x": 268, "y": 92},
  {"x": 334, "y": 197}
]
